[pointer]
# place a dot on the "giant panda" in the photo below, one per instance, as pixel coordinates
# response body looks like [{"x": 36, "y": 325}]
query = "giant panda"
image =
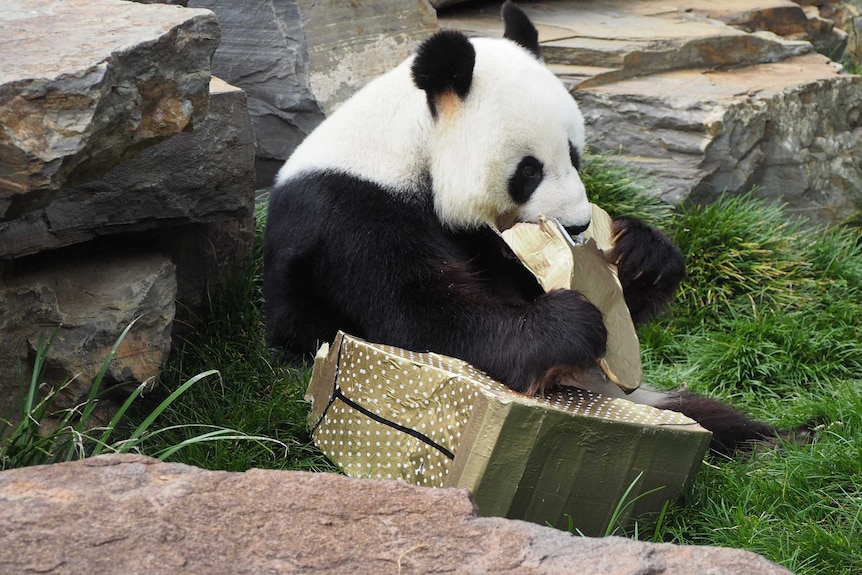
[{"x": 380, "y": 222}]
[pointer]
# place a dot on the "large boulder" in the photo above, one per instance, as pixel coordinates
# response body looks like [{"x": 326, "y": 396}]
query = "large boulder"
[
  {"x": 134, "y": 189},
  {"x": 86, "y": 84},
  {"x": 88, "y": 301},
  {"x": 131, "y": 514},
  {"x": 196, "y": 177},
  {"x": 790, "y": 129}
]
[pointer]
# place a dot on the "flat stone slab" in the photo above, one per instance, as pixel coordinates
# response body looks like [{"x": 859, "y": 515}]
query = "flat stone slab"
[
  {"x": 619, "y": 39},
  {"x": 792, "y": 129},
  {"x": 85, "y": 83},
  {"x": 131, "y": 514}
]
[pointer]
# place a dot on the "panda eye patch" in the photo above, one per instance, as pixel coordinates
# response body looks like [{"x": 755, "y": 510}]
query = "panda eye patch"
[
  {"x": 575, "y": 157},
  {"x": 527, "y": 177}
]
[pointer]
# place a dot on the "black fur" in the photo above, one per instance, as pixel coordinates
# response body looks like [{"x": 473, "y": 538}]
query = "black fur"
[
  {"x": 336, "y": 256},
  {"x": 574, "y": 157},
  {"x": 731, "y": 429},
  {"x": 650, "y": 267},
  {"x": 527, "y": 177},
  {"x": 444, "y": 63},
  {"x": 519, "y": 29}
]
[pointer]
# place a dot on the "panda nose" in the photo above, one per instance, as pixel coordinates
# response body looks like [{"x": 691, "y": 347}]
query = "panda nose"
[{"x": 576, "y": 230}]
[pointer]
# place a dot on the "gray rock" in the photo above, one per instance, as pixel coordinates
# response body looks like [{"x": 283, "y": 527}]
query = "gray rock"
[
  {"x": 84, "y": 85},
  {"x": 189, "y": 198},
  {"x": 198, "y": 177},
  {"x": 263, "y": 51},
  {"x": 89, "y": 300},
  {"x": 846, "y": 16},
  {"x": 131, "y": 514},
  {"x": 350, "y": 43},
  {"x": 297, "y": 59},
  {"x": 791, "y": 129}
]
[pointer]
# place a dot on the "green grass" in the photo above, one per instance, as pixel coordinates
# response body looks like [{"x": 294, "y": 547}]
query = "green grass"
[
  {"x": 41, "y": 433},
  {"x": 767, "y": 320}
]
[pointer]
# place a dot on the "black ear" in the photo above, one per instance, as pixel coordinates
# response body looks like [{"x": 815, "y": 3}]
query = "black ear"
[
  {"x": 519, "y": 29},
  {"x": 444, "y": 65}
]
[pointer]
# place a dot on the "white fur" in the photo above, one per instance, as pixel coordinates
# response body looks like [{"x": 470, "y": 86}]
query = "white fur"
[{"x": 515, "y": 107}]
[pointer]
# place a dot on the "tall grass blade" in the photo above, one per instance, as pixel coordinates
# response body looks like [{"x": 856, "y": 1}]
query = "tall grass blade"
[
  {"x": 145, "y": 424},
  {"x": 95, "y": 388}
]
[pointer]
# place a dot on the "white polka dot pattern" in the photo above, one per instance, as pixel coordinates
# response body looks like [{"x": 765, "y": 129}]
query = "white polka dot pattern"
[{"x": 434, "y": 396}]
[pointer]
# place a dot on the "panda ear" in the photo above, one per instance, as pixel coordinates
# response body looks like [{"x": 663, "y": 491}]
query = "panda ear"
[
  {"x": 443, "y": 68},
  {"x": 519, "y": 29}
]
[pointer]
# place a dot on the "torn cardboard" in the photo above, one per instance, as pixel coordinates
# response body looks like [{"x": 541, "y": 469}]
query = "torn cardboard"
[
  {"x": 560, "y": 263},
  {"x": 387, "y": 413}
]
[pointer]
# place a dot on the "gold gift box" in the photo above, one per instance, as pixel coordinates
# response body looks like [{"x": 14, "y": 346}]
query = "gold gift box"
[{"x": 387, "y": 413}]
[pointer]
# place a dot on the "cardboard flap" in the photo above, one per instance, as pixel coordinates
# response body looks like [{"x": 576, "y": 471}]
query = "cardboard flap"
[
  {"x": 558, "y": 263},
  {"x": 322, "y": 384}
]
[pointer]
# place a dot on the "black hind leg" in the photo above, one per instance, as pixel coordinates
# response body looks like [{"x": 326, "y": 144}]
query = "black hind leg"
[
  {"x": 298, "y": 325},
  {"x": 731, "y": 429}
]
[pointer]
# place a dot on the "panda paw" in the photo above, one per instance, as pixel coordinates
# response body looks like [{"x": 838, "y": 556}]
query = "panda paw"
[
  {"x": 650, "y": 267},
  {"x": 563, "y": 332}
]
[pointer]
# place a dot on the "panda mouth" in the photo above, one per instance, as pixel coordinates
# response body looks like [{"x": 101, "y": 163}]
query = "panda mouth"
[
  {"x": 505, "y": 221},
  {"x": 575, "y": 231}
]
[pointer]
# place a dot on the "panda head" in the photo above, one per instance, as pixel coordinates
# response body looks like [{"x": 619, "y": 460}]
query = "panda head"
[{"x": 506, "y": 137}]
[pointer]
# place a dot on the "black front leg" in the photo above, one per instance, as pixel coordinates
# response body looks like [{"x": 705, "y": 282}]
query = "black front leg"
[{"x": 650, "y": 267}]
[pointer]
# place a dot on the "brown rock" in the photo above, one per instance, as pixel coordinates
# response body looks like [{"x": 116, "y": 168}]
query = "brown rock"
[
  {"x": 85, "y": 84},
  {"x": 131, "y": 514}
]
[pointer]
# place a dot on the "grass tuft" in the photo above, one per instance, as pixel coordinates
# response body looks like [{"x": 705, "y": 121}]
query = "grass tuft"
[
  {"x": 768, "y": 320},
  {"x": 622, "y": 191},
  {"x": 255, "y": 394},
  {"x": 739, "y": 258}
]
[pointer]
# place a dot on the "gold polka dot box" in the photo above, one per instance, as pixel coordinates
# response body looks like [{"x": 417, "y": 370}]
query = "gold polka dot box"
[{"x": 386, "y": 413}]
